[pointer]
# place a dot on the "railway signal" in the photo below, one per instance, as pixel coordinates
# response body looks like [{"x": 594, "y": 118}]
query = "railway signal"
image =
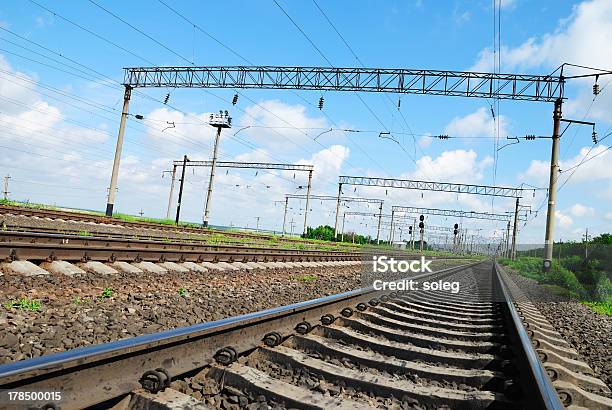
[{"x": 219, "y": 121}]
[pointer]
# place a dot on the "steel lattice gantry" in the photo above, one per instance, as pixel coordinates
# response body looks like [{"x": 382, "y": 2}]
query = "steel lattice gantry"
[
  {"x": 425, "y": 186},
  {"x": 333, "y": 198},
  {"x": 432, "y": 186},
  {"x": 450, "y": 212},
  {"x": 254, "y": 165},
  {"x": 245, "y": 165},
  {"x": 545, "y": 88}
]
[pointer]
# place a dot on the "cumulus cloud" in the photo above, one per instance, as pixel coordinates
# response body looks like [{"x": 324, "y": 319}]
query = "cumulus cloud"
[
  {"x": 589, "y": 24},
  {"x": 283, "y": 125},
  {"x": 581, "y": 38},
  {"x": 477, "y": 124},
  {"x": 327, "y": 163},
  {"x": 168, "y": 125},
  {"x": 579, "y": 210},
  {"x": 563, "y": 220},
  {"x": 425, "y": 141},
  {"x": 453, "y": 166},
  {"x": 591, "y": 170}
]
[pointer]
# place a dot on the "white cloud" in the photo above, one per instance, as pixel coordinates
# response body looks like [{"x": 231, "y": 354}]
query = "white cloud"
[
  {"x": 608, "y": 216},
  {"x": 453, "y": 166},
  {"x": 477, "y": 124},
  {"x": 597, "y": 169},
  {"x": 425, "y": 141},
  {"x": 327, "y": 163},
  {"x": 581, "y": 38},
  {"x": 278, "y": 123},
  {"x": 579, "y": 210},
  {"x": 564, "y": 220},
  {"x": 179, "y": 129},
  {"x": 504, "y": 4}
]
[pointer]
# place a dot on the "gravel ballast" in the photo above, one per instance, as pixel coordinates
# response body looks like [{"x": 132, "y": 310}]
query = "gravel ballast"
[
  {"x": 88, "y": 309},
  {"x": 588, "y": 332}
]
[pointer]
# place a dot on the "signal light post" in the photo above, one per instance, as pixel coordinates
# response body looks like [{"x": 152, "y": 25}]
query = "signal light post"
[
  {"x": 218, "y": 121},
  {"x": 422, "y": 230}
]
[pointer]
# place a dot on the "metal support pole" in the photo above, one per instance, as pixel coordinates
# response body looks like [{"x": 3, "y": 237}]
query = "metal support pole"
[
  {"x": 552, "y": 188},
  {"x": 285, "y": 214},
  {"x": 380, "y": 208},
  {"x": 421, "y": 244},
  {"x": 412, "y": 236},
  {"x": 391, "y": 228},
  {"x": 6, "y": 187},
  {"x": 115, "y": 174},
  {"x": 171, "y": 192},
  {"x": 515, "y": 230},
  {"x": 342, "y": 230},
  {"x": 507, "y": 252},
  {"x": 180, "y": 197},
  {"x": 307, "y": 203},
  {"x": 212, "y": 177},
  {"x": 337, "y": 211}
]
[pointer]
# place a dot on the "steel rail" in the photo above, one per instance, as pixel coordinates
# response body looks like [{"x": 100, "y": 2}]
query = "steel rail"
[
  {"x": 38, "y": 246},
  {"x": 199, "y": 239},
  {"x": 101, "y": 219},
  {"x": 546, "y": 393},
  {"x": 96, "y": 374}
]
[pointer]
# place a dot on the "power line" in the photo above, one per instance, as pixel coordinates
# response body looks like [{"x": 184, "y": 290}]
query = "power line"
[{"x": 141, "y": 32}]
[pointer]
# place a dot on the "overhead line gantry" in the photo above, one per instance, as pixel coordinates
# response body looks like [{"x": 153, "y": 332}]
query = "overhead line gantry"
[
  {"x": 244, "y": 165},
  {"x": 524, "y": 87}
]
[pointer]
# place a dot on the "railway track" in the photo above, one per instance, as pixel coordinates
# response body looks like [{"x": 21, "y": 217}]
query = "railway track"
[
  {"x": 360, "y": 349},
  {"x": 49, "y": 247},
  {"x": 148, "y": 226}
]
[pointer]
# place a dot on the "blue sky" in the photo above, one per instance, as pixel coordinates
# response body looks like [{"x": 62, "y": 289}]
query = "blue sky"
[{"x": 60, "y": 117}]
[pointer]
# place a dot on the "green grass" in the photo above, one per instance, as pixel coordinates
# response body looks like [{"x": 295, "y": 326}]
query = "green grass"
[
  {"x": 31, "y": 305},
  {"x": 531, "y": 267},
  {"x": 603, "y": 308},
  {"x": 81, "y": 301},
  {"x": 560, "y": 291},
  {"x": 107, "y": 293},
  {"x": 182, "y": 292},
  {"x": 307, "y": 278}
]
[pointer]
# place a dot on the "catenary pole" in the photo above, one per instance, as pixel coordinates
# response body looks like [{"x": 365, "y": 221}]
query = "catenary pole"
[
  {"x": 307, "y": 203},
  {"x": 180, "y": 196},
  {"x": 169, "y": 211},
  {"x": 552, "y": 187},
  {"x": 115, "y": 173}
]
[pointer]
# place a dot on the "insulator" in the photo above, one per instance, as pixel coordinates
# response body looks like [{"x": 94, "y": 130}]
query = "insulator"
[
  {"x": 167, "y": 98},
  {"x": 594, "y": 137},
  {"x": 321, "y": 101},
  {"x": 421, "y": 218},
  {"x": 138, "y": 117},
  {"x": 235, "y": 99},
  {"x": 399, "y": 103},
  {"x": 595, "y": 89}
]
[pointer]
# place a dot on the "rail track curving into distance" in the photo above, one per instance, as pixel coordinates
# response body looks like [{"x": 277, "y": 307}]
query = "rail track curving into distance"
[{"x": 358, "y": 349}]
